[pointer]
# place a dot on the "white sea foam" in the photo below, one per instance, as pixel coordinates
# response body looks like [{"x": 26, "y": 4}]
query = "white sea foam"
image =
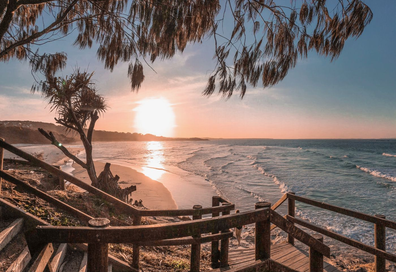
[
  {"x": 376, "y": 173},
  {"x": 282, "y": 186},
  {"x": 388, "y": 155}
]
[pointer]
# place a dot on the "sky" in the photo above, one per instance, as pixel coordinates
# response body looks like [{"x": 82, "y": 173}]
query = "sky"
[{"x": 351, "y": 97}]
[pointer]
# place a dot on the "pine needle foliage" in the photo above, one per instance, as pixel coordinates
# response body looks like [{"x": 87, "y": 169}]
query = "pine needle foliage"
[{"x": 261, "y": 42}]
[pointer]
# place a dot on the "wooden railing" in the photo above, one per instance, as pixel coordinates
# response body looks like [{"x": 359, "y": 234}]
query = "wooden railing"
[
  {"x": 98, "y": 237},
  {"x": 220, "y": 205},
  {"x": 380, "y": 225}
]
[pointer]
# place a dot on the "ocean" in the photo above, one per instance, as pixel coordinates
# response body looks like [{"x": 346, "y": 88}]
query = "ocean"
[{"x": 355, "y": 174}]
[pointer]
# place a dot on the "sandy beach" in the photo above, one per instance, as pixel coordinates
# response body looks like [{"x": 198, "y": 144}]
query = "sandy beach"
[{"x": 153, "y": 193}]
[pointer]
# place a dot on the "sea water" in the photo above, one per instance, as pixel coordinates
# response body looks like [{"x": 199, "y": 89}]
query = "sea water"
[{"x": 356, "y": 174}]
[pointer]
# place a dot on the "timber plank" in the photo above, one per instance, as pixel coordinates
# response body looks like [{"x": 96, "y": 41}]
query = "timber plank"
[
  {"x": 42, "y": 259},
  {"x": 84, "y": 261},
  {"x": 21, "y": 262},
  {"x": 10, "y": 232},
  {"x": 290, "y": 256},
  {"x": 118, "y": 264},
  {"x": 58, "y": 258}
]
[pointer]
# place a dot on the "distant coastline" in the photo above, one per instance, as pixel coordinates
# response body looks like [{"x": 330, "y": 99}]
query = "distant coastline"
[{"x": 25, "y": 132}]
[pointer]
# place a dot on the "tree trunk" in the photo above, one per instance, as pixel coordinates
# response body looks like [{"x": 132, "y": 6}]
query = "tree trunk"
[{"x": 109, "y": 184}]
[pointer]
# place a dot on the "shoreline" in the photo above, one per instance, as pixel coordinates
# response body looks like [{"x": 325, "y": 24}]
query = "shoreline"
[{"x": 153, "y": 193}]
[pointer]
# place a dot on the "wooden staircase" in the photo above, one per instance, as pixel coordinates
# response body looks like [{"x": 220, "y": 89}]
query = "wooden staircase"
[{"x": 21, "y": 251}]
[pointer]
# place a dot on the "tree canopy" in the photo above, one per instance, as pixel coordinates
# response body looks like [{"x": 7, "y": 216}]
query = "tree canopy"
[{"x": 256, "y": 42}]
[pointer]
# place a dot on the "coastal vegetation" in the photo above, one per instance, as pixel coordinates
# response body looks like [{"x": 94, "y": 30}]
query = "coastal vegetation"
[{"x": 255, "y": 42}]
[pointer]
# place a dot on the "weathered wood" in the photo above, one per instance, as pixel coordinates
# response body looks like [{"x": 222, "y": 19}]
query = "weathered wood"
[
  {"x": 61, "y": 181},
  {"x": 345, "y": 240},
  {"x": 84, "y": 262},
  {"x": 79, "y": 214},
  {"x": 58, "y": 258},
  {"x": 351, "y": 213},
  {"x": 99, "y": 250},
  {"x": 115, "y": 262},
  {"x": 379, "y": 238},
  {"x": 120, "y": 205},
  {"x": 279, "y": 202},
  {"x": 315, "y": 257},
  {"x": 186, "y": 212},
  {"x": 188, "y": 240},
  {"x": 224, "y": 243},
  {"x": 263, "y": 234},
  {"x": 136, "y": 248},
  {"x": 10, "y": 232},
  {"x": 21, "y": 262},
  {"x": 215, "y": 253},
  {"x": 134, "y": 234},
  {"x": 291, "y": 210},
  {"x": 298, "y": 233},
  {"x": 42, "y": 259},
  {"x": 99, "y": 222},
  {"x": 196, "y": 248},
  {"x": 1, "y": 163},
  {"x": 97, "y": 257}
]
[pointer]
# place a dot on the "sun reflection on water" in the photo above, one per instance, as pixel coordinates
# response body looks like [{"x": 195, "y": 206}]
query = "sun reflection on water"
[{"x": 154, "y": 160}]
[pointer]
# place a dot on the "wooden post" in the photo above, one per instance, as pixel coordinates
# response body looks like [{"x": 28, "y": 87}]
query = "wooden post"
[
  {"x": 291, "y": 210},
  {"x": 224, "y": 246},
  {"x": 316, "y": 258},
  {"x": 98, "y": 252},
  {"x": 136, "y": 250},
  {"x": 196, "y": 248},
  {"x": 215, "y": 244},
  {"x": 61, "y": 181},
  {"x": 1, "y": 163},
  {"x": 379, "y": 238},
  {"x": 263, "y": 234}
]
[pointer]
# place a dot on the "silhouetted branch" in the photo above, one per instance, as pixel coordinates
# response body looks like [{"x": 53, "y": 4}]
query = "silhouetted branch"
[{"x": 50, "y": 136}]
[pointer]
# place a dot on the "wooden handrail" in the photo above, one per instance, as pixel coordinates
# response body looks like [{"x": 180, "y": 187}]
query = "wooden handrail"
[
  {"x": 115, "y": 201},
  {"x": 186, "y": 212},
  {"x": 188, "y": 240},
  {"x": 79, "y": 214},
  {"x": 279, "y": 202},
  {"x": 345, "y": 240},
  {"x": 297, "y": 233},
  {"x": 134, "y": 234},
  {"x": 351, "y": 213}
]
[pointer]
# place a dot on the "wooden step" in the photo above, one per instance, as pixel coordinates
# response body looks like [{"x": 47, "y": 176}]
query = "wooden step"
[
  {"x": 10, "y": 232},
  {"x": 58, "y": 258},
  {"x": 83, "y": 265},
  {"x": 72, "y": 261},
  {"x": 21, "y": 262},
  {"x": 11, "y": 252},
  {"x": 42, "y": 259}
]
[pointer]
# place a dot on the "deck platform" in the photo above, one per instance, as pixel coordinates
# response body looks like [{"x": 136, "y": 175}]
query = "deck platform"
[{"x": 285, "y": 254}]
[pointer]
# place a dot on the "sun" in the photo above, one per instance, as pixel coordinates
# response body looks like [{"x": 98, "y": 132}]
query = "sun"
[{"x": 155, "y": 116}]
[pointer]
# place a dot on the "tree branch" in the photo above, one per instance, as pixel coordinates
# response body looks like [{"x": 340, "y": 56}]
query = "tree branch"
[
  {"x": 55, "y": 142},
  {"x": 36, "y": 35},
  {"x": 94, "y": 118},
  {"x": 7, "y": 19}
]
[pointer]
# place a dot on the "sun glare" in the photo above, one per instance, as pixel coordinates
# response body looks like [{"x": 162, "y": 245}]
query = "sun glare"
[{"x": 155, "y": 116}]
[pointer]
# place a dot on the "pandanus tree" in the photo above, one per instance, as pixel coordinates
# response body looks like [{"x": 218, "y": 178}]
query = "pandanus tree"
[
  {"x": 78, "y": 106},
  {"x": 260, "y": 42}
]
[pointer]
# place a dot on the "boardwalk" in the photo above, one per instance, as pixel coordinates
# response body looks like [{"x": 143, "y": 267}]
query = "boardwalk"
[{"x": 285, "y": 254}]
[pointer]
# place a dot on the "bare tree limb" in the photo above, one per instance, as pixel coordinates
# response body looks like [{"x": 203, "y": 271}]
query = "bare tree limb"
[{"x": 50, "y": 136}]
